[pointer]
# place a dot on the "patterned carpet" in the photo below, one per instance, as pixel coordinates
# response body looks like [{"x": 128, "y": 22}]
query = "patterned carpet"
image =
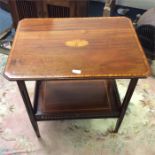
[{"x": 79, "y": 137}]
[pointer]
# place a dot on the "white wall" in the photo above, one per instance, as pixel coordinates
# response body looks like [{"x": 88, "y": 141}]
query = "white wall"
[{"x": 143, "y": 4}]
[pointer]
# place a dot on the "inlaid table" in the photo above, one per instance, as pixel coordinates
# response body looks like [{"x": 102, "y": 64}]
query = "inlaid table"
[{"x": 75, "y": 63}]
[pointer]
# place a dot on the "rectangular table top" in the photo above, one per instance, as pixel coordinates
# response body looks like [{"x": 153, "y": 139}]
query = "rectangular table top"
[{"x": 76, "y": 48}]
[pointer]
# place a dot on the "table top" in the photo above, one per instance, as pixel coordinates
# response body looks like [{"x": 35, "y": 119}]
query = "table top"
[{"x": 76, "y": 48}]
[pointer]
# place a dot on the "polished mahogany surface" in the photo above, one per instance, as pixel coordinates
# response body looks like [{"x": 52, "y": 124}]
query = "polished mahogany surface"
[
  {"x": 76, "y": 48},
  {"x": 78, "y": 98}
]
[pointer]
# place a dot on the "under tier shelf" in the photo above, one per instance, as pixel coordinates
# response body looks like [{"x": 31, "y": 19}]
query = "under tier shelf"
[{"x": 77, "y": 99}]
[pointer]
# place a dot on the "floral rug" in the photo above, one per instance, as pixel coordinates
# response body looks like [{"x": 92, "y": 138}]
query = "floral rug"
[{"x": 77, "y": 137}]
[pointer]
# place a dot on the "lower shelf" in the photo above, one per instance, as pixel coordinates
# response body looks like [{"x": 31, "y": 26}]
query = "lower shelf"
[{"x": 77, "y": 99}]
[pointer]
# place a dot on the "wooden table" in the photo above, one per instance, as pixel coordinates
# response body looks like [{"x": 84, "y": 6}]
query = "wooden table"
[{"x": 75, "y": 63}]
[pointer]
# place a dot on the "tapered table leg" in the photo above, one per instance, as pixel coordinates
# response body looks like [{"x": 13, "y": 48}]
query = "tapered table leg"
[
  {"x": 125, "y": 103},
  {"x": 28, "y": 105},
  {"x": 36, "y": 93}
]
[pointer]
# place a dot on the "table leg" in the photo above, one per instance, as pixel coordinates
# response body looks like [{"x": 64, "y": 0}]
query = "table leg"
[
  {"x": 28, "y": 105},
  {"x": 36, "y": 92},
  {"x": 125, "y": 103}
]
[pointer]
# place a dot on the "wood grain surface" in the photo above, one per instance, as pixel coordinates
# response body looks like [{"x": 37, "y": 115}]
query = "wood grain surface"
[
  {"x": 80, "y": 97},
  {"x": 101, "y": 47}
]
